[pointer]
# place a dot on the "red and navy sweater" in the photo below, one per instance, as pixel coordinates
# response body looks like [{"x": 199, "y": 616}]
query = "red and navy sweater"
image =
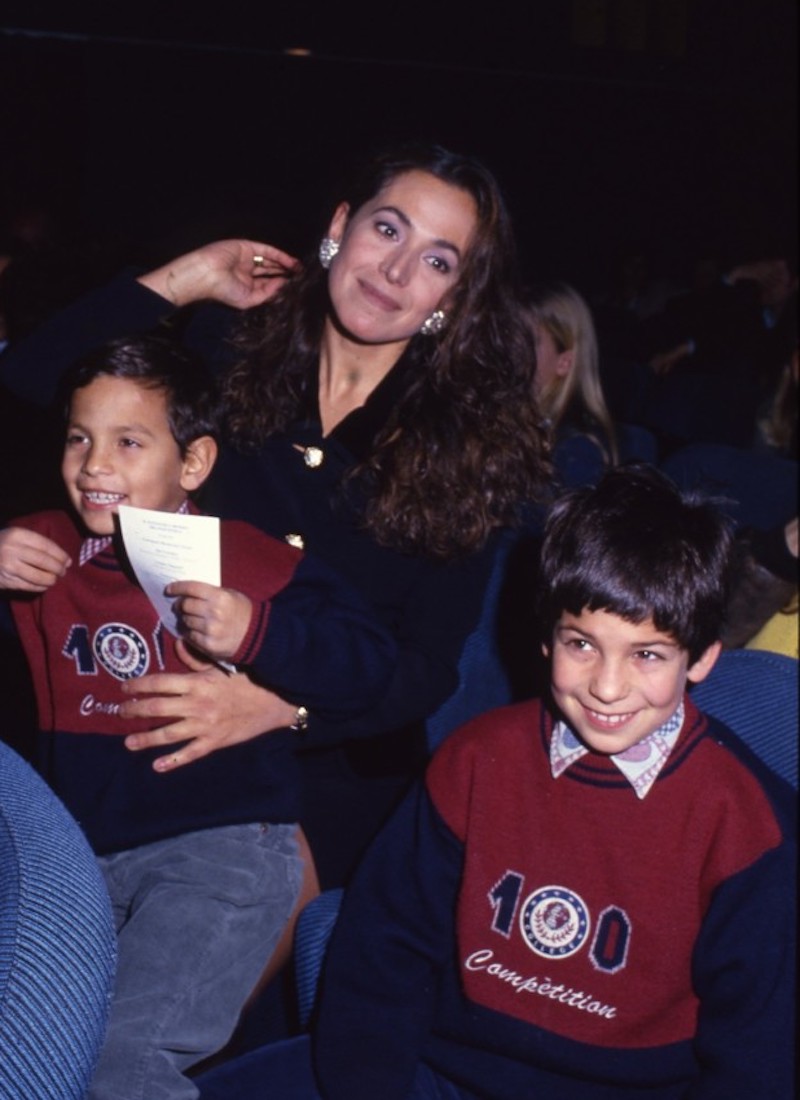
[
  {"x": 529, "y": 936},
  {"x": 312, "y": 639}
]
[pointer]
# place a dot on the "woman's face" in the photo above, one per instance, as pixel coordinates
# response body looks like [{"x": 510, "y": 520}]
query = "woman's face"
[
  {"x": 401, "y": 253},
  {"x": 552, "y": 365}
]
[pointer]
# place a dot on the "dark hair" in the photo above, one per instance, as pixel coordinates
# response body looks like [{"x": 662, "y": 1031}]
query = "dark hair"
[
  {"x": 160, "y": 364},
  {"x": 636, "y": 546},
  {"x": 463, "y": 446}
]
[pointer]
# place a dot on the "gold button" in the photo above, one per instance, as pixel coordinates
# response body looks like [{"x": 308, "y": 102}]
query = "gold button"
[
  {"x": 295, "y": 540},
  {"x": 313, "y": 456}
]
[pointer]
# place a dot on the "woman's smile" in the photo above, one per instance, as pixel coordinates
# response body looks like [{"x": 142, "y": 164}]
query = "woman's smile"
[{"x": 381, "y": 300}]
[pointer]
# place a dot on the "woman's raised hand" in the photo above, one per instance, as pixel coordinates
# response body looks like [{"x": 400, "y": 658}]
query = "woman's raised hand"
[
  {"x": 238, "y": 273},
  {"x": 204, "y": 709}
]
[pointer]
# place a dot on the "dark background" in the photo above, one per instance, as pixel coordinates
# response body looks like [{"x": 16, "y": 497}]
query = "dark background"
[{"x": 144, "y": 128}]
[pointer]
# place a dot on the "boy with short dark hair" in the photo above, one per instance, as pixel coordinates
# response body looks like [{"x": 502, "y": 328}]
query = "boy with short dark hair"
[
  {"x": 591, "y": 896},
  {"x": 201, "y": 885}
]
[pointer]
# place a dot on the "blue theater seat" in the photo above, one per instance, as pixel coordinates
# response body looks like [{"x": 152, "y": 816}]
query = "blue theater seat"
[{"x": 57, "y": 943}]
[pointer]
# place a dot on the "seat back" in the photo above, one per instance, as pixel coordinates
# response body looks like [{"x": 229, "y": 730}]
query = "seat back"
[
  {"x": 636, "y": 444},
  {"x": 755, "y": 693},
  {"x": 57, "y": 943},
  {"x": 701, "y": 408},
  {"x": 311, "y": 934},
  {"x": 483, "y": 681},
  {"x": 758, "y": 489}
]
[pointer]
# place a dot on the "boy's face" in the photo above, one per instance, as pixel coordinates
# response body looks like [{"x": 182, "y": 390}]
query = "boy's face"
[
  {"x": 614, "y": 681},
  {"x": 120, "y": 450}
]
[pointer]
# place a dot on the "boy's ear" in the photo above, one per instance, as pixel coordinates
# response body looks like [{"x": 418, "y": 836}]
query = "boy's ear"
[
  {"x": 198, "y": 462},
  {"x": 546, "y": 650},
  {"x": 704, "y": 663}
]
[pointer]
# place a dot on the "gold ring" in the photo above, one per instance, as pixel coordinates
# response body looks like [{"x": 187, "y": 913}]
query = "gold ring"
[{"x": 258, "y": 261}]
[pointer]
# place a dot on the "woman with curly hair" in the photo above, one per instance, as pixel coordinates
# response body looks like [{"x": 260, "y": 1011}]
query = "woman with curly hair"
[{"x": 379, "y": 416}]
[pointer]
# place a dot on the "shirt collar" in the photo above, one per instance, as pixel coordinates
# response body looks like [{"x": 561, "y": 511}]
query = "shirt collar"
[
  {"x": 93, "y": 546},
  {"x": 640, "y": 764}
]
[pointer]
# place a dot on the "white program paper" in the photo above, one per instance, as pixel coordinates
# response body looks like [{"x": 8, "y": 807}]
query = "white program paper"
[{"x": 169, "y": 546}]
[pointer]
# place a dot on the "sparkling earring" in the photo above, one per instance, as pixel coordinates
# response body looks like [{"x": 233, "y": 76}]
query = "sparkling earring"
[
  {"x": 328, "y": 248},
  {"x": 434, "y": 324}
]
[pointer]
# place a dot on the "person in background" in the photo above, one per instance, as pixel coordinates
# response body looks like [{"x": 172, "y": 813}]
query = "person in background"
[
  {"x": 776, "y": 427},
  {"x": 567, "y": 382},
  {"x": 762, "y": 610}
]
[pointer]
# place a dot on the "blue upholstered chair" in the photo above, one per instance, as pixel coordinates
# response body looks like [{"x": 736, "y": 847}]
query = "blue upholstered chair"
[
  {"x": 700, "y": 408},
  {"x": 311, "y": 934},
  {"x": 759, "y": 489},
  {"x": 57, "y": 943},
  {"x": 636, "y": 444},
  {"x": 483, "y": 681},
  {"x": 755, "y": 693}
]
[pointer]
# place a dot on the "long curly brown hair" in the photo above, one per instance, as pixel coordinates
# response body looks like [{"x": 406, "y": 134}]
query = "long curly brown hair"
[{"x": 463, "y": 448}]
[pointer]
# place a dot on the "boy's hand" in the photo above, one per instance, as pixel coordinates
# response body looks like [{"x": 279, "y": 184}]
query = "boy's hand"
[
  {"x": 30, "y": 562},
  {"x": 215, "y": 620}
]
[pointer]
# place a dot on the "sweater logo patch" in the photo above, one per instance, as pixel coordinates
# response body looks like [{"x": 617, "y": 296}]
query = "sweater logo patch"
[
  {"x": 121, "y": 650},
  {"x": 554, "y": 922}
]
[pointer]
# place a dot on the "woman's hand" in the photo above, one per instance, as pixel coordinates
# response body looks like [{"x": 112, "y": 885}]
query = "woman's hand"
[
  {"x": 30, "y": 562},
  {"x": 204, "y": 707},
  {"x": 214, "y": 620},
  {"x": 237, "y": 273}
]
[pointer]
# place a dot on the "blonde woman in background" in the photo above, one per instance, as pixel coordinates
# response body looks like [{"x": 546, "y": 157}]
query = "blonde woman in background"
[{"x": 567, "y": 382}]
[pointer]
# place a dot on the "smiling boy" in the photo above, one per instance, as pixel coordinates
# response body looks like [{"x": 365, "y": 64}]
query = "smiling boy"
[
  {"x": 203, "y": 864},
  {"x": 591, "y": 896},
  {"x": 150, "y": 468},
  {"x": 615, "y": 681}
]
